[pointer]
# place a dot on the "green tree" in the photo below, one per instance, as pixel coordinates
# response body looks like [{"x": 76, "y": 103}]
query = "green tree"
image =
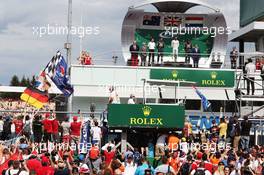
[
  {"x": 14, "y": 81},
  {"x": 28, "y": 82},
  {"x": 23, "y": 82}
]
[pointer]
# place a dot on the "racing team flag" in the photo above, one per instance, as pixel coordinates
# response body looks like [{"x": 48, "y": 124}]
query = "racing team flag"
[
  {"x": 194, "y": 21},
  {"x": 56, "y": 70},
  {"x": 34, "y": 97}
]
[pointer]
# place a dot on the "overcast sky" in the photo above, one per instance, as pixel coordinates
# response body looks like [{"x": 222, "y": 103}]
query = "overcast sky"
[{"x": 23, "y": 52}]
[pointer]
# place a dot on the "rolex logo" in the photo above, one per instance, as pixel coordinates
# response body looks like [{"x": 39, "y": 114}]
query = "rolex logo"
[
  {"x": 213, "y": 75},
  {"x": 146, "y": 110},
  {"x": 174, "y": 74}
]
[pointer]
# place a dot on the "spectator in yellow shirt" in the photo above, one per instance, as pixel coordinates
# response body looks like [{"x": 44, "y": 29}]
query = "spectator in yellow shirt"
[{"x": 222, "y": 128}]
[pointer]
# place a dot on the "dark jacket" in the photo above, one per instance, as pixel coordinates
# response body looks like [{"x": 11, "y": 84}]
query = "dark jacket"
[
  {"x": 196, "y": 54},
  {"x": 245, "y": 127},
  {"x": 134, "y": 51}
]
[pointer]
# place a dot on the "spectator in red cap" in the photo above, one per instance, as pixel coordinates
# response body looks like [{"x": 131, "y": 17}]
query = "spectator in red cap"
[
  {"x": 76, "y": 129},
  {"x": 47, "y": 168},
  {"x": 197, "y": 162}
]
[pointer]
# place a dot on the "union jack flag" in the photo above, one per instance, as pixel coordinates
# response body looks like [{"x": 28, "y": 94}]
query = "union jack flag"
[{"x": 172, "y": 21}]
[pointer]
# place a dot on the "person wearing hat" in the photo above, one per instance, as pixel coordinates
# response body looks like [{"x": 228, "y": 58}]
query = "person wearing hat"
[
  {"x": 198, "y": 160},
  {"x": 84, "y": 169},
  {"x": 250, "y": 76},
  {"x": 184, "y": 145},
  {"x": 130, "y": 166},
  {"x": 76, "y": 129}
]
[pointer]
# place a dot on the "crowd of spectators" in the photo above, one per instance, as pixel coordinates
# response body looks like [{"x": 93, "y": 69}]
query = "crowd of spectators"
[
  {"x": 21, "y": 106},
  {"x": 31, "y": 152}
]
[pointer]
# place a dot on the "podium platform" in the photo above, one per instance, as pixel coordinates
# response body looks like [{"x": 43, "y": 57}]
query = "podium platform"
[
  {"x": 216, "y": 64},
  {"x": 166, "y": 64},
  {"x": 176, "y": 64}
]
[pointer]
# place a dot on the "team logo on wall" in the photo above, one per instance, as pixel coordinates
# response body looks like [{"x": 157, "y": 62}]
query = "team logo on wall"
[
  {"x": 174, "y": 74},
  {"x": 146, "y": 110},
  {"x": 213, "y": 75},
  {"x": 172, "y": 21}
]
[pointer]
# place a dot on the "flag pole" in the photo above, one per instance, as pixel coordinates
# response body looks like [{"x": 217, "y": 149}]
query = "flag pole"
[{"x": 67, "y": 46}]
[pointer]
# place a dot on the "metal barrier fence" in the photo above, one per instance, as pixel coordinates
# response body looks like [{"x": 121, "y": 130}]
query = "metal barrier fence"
[{"x": 117, "y": 57}]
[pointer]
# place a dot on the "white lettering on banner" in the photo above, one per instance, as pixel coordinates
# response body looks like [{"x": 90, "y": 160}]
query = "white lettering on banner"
[
  {"x": 211, "y": 147},
  {"x": 204, "y": 120},
  {"x": 62, "y": 146}
]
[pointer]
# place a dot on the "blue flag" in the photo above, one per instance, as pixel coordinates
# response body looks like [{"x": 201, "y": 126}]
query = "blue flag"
[
  {"x": 85, "y": 138},
  {"x": 57, "y": 71},
  {"x": 206, "y": 104}
]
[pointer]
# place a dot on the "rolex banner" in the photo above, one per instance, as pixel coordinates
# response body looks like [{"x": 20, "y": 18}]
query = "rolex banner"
[
  {"x": 146, "y": 116},
  {"x": 203, "y": 78}
]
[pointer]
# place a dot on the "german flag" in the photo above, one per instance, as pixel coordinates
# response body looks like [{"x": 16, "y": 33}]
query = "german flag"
[{"x": 34, "y": 97}]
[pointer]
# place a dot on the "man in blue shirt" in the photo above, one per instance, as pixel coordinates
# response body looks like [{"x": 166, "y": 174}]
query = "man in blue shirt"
[{"x": 145, "y": 168}]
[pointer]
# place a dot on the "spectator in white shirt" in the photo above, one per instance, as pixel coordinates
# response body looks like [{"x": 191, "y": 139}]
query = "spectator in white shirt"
[
  {"x": 130, "y": 167},
  {"x": 1, "y": 126},
  {"x": 96, "y": 133},
  {"x": 175, "y": 48},
  {"x": 250, "y": 75},
  {"x": 131, "y": 99},
  {"x": 151, "y": 47},
  {"x": 114, "y": 98},
  {"x": 17, "y": 169}
]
